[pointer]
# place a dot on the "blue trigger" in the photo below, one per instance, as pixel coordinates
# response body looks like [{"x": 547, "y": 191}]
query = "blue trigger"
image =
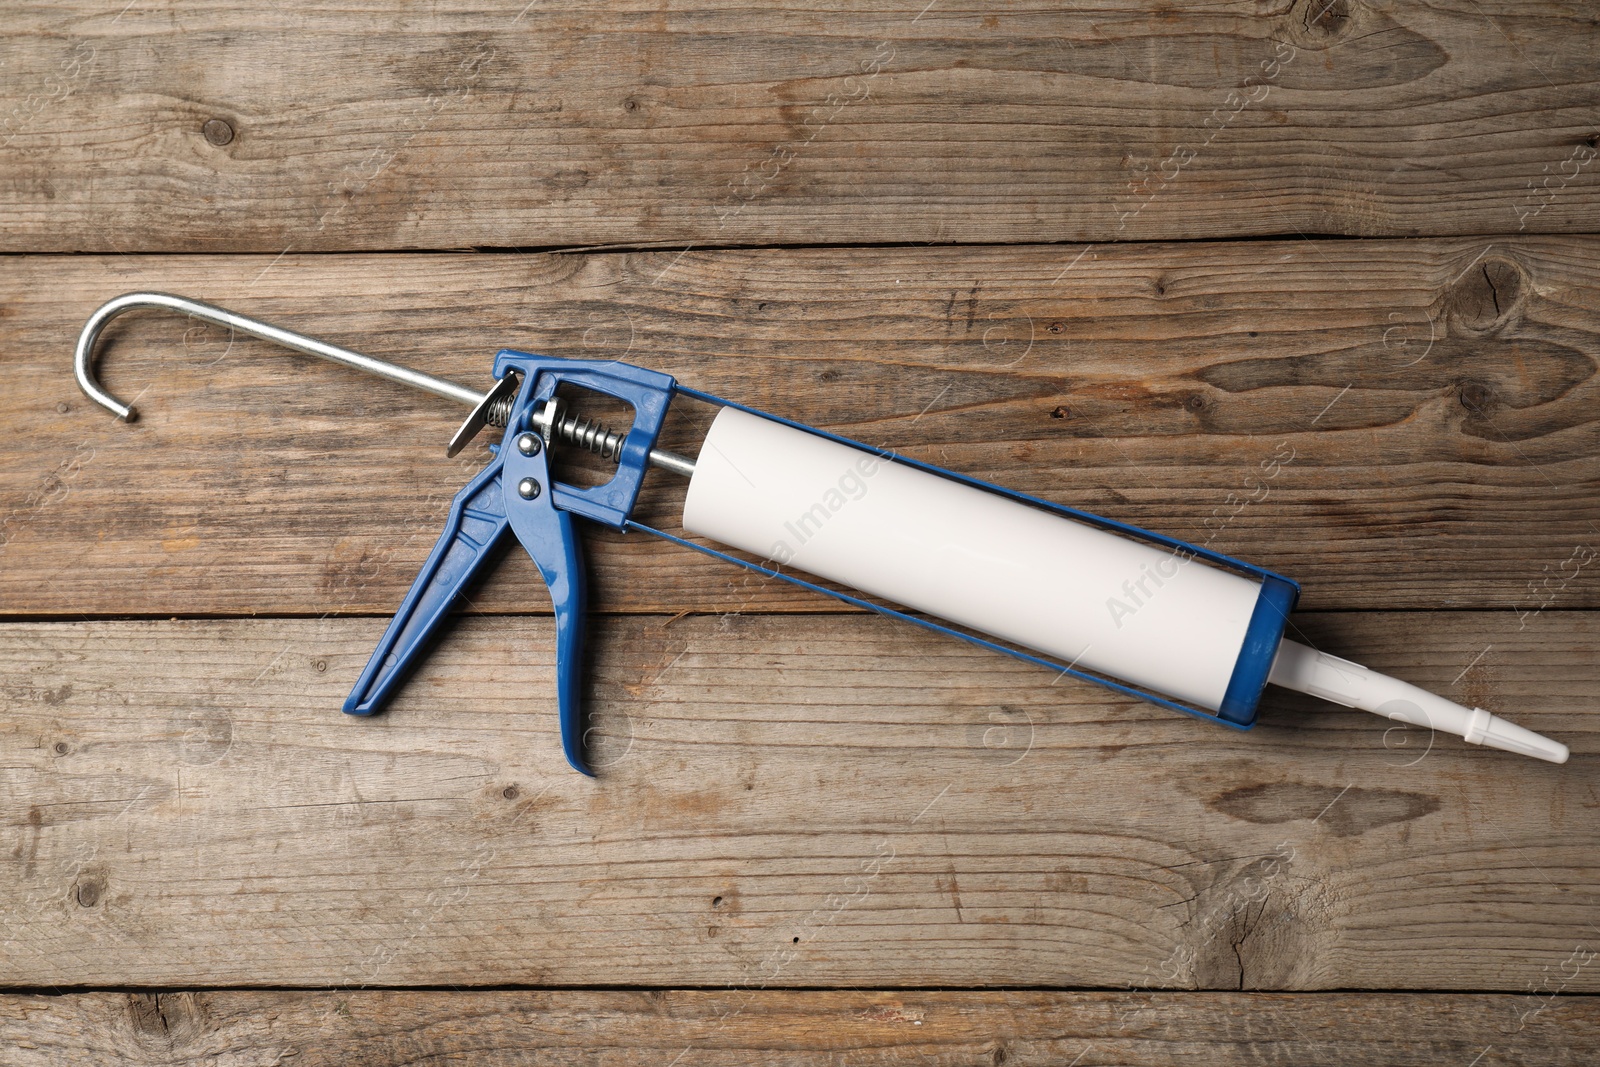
[
  {"x": 476, "y": 526},
  {"x": 547, "y": 534}
]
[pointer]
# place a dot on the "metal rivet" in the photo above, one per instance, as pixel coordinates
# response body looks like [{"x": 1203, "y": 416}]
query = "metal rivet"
[
  {"x": 217, "y": 132},
  {"x": 528, "y": 488},
  {"x": 528, "y": 444}
]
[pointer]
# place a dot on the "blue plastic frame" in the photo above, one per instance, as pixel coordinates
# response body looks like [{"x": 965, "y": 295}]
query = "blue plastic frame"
[
  {"x": 490, "y": 508},
  {"x": 650, "y": 392}
]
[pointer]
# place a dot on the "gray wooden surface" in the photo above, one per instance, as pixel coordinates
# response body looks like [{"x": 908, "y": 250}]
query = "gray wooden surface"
[
  {"x": 1088, "y": 252},
  {"x": 470, "y": 124},
  {"x": 1436, "y": 401},
  {"x": 783, "y": 800},
  {"x": 788, "y": 1029}
]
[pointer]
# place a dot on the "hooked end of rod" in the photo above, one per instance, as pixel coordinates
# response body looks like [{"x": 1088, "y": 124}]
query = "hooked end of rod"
[
  {"x": 83, "y": 357},
  {"x": 83, "y": 361}
]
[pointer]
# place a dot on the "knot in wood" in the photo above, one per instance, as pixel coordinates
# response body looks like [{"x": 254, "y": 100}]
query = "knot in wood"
[
  {"x": 1487, "y": 296},
  {"x": 217, "y": 132}
]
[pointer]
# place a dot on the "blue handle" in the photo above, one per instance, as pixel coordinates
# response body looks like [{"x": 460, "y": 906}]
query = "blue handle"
[
  {"x": 477, "y": 524},
  {"x": 515, "y": 493},
  {"x": 480, "y": 517}
]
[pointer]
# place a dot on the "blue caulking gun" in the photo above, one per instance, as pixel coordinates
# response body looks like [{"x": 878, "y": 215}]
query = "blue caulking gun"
[{"x": 1140, "y": 613}]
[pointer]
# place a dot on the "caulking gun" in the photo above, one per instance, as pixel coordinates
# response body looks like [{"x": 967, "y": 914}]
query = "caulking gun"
[{"x": 1140, "y": 613}]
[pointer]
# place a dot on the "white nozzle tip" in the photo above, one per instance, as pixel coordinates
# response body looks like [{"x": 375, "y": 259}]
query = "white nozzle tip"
[
  {"x": 1508, "y": 736},
  {"x": 1306, "y": 670}
]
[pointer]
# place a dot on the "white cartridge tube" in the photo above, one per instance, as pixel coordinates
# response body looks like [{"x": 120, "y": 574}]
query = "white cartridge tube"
[{"x": 1139, "y": 612}]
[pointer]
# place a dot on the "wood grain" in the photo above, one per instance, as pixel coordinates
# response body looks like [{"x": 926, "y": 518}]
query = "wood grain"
[
  {"x": 783, "y": 801},
  {"x": 459, "y": 124},
  {"x": 789, "y": 1029},
  {"x": 1438, "y": 399},
  {"x": 793, "y": 801}
]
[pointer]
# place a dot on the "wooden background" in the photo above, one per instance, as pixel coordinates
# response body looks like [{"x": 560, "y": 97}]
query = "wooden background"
[{"x": 1117, "y": 255}]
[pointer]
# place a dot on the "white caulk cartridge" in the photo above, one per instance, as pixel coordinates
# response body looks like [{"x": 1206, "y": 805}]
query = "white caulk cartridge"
[{"x": 1172, "y": 622}]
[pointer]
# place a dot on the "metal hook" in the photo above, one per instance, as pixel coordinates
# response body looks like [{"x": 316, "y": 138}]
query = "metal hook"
[{"x": 83, "y": 358}]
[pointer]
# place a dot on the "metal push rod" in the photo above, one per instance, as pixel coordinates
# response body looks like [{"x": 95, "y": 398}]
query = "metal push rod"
[{"x": 566, "y": 430}]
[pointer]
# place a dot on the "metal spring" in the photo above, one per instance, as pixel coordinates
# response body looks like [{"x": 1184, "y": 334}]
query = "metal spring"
[
  {"x": 499, "y": 412},
  {"x": 591, "y": 434}
]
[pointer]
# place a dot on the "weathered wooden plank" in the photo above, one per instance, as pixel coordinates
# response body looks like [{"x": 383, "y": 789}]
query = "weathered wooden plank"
[
  {"x": 224, "y": 127},
  {"x": 1438, "y": 400},
  {"x": 797, "y": 801},
  {"x": 787, "y": 1029}
]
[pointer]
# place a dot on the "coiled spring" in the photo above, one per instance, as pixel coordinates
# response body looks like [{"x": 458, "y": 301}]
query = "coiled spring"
[
  {"x": 591, "y": 434},
  {"x": 499, "y": 412},
  {"x": 554, "y": 424}
]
